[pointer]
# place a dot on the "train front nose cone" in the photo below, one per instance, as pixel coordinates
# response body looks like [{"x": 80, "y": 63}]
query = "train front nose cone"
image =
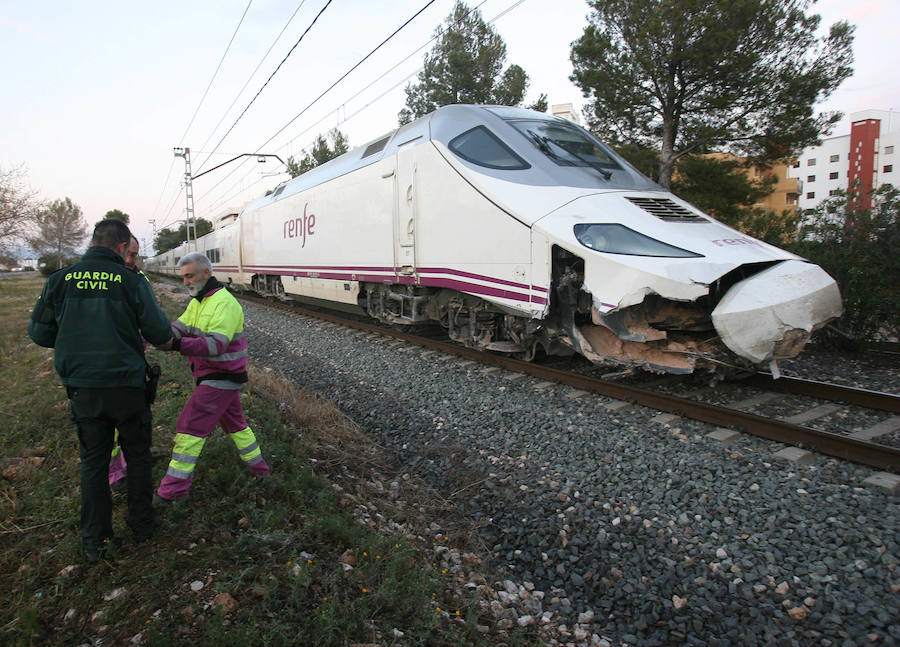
[{"x": 771, "y": 314}]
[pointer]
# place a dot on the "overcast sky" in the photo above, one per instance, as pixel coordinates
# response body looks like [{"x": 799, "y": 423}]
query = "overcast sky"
[{"x": 97, "y": 93}]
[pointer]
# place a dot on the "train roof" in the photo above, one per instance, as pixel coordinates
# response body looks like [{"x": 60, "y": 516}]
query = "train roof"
[{"x": 441, "y": 125}]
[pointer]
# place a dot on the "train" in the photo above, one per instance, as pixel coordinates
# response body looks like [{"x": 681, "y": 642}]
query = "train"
[{"x": 521, "y": 233}]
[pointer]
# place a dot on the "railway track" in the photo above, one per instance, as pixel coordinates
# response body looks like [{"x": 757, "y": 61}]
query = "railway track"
[{"x": 859, "y": 446}]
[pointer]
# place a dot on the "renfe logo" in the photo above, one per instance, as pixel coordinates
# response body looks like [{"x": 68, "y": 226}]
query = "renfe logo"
[
  {"x": 300, "y": 227},
  {"x": 722, "y": 242}
]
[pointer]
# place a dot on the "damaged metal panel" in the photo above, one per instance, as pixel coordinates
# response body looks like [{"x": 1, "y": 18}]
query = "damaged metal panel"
[{"x": 771, "y": 314}]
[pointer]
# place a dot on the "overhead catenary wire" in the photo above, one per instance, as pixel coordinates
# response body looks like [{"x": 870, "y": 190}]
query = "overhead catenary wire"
[
  {"x": 163, "y": 190},
  {"x": 240, "y": 116},
  {"x": 172, "y": 206},
  {"x": 218, "y": 67},
  {"x": 326, "y": 91},
  {"x": 388, "y": 71},
  {"x": 223, "y": 200},
  {"x": 346, "y": 74},
  {"x": 250, "y": 78}
]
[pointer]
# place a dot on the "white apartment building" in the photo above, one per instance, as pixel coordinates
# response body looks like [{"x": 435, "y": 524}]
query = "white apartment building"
[{"x": 866, "y": 154}]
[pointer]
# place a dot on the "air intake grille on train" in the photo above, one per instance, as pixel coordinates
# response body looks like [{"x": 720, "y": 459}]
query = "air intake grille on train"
[{"x": 665, "y": 209}]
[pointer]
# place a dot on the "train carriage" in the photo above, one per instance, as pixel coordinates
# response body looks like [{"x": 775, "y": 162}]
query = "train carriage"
[{"x": 521, "y": 232}]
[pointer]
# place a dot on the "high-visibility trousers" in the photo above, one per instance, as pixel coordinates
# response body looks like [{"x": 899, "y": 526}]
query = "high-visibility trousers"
[{"x": 207, "y": 407}]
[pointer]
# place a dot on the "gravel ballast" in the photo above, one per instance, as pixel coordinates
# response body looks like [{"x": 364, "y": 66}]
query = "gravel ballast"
[{"x": 618, "y": 526}]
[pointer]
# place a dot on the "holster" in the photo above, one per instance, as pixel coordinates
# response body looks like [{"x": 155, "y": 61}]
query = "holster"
[{"x": 151, "y": 380}]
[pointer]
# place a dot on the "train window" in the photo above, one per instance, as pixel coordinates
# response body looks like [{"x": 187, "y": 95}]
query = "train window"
[{"x": 480, "y": 146}]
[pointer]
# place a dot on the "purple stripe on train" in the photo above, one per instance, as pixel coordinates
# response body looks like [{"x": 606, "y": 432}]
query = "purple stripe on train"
[{"x": 360, "y": 274}]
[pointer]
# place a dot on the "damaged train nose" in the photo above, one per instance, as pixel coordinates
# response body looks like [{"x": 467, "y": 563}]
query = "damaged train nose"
[
  {"x": 767, "y": 316},
  {"x": 771, "y": 315}
]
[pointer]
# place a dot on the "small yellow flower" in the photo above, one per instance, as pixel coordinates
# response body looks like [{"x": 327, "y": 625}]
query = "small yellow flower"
[
  {"x": 365, "y": 554},
  {"x": 309, "y": 561},
  {"x": 365, "y": 590},
  {"x": 457, "y": 612},
  {"x": 444, "y": 571},
  {"x": 438, "y": 609},
  {"x": 289, "y": 562},
  {"x": 377, "y": 556}
]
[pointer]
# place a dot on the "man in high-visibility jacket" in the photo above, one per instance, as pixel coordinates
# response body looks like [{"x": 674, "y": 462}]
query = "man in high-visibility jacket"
[{"x": 211, "y": 334}]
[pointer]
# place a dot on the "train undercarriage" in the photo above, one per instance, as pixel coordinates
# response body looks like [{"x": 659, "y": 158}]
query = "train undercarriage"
[{"x": 656, "y": 334}]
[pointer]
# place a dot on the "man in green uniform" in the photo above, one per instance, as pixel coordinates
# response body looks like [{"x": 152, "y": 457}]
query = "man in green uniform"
[{"x": 93, "y": 314}]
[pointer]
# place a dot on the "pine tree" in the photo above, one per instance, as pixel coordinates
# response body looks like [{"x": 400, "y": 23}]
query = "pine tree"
[
  {"x": 464, "y": 66},
  {"x": 687, "y": 75}
]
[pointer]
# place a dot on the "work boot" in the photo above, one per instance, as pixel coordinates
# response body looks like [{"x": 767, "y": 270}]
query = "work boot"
[{"x": 96, "y": 552}]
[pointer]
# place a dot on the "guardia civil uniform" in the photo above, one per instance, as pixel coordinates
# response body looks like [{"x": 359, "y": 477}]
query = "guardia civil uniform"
[
  {"x": 94, "y": 315},
  {"x": 211, "y": 334}
]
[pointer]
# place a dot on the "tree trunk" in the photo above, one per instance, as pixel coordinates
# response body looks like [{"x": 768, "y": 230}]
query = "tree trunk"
[{"x": 667, "y": 153}]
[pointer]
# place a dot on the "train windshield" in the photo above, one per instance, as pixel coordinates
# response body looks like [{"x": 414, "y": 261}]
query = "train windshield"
[{"x": 569, "y": 145}]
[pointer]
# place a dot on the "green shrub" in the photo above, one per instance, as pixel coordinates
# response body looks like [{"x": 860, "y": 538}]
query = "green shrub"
[{"x": 858, "y": 245}]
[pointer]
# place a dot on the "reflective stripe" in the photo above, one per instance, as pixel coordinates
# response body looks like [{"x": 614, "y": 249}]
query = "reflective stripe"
[
  {"x": 249, "y": 448},
  {"x": 190, "y": 331},
  {"x": 211, "y": 346},
  {"x": 179, "y": 474},
  {"x": 219, "y": 337},
  {"x": 185, "y": 458},
  {"x": 227, "y": 357}
]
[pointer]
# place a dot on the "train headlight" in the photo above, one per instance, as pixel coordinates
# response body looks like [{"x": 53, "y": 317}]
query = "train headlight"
[{"x": 618, "y": 239}]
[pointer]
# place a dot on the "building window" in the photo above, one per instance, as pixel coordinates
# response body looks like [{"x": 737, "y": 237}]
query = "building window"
[
  {"x": 888, "y": 150},
  {"x": 811, "y": 161},
  {"x": 834, "y": 158},
  {"x": 810, "y": 178},
  {"x": 832, "y": 192},
  {"x": 796, "y": 164},
  {"x": 888, "y": 168},
  {"x": 833, "y": 176},
  {"x": 810, "y": 195}
]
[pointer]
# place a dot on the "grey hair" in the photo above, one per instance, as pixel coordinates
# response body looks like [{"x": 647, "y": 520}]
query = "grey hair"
[{"x": 197, "y": 258}]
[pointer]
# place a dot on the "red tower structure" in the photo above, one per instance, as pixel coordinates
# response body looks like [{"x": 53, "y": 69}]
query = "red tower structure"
[{"x": 864, "y": 136}]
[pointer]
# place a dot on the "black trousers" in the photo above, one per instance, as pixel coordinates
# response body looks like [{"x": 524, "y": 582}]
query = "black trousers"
[{"x": 97, "y": 412}]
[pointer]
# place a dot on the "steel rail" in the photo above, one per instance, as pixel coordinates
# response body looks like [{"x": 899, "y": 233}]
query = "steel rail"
[
  {"x": 823, "y": 390},
  {"x": 875, "y": 455}
]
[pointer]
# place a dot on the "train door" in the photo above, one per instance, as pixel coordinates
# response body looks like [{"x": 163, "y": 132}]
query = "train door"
[{"x": 405, "y": 214}]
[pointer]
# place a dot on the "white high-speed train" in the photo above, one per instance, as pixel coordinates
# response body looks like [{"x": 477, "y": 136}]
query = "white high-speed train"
[{"x": 519, "y": 231}]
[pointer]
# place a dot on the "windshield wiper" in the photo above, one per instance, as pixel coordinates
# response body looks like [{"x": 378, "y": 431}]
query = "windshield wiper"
[
  {"x": 541, "y": 143},
  {"x": 594, "y": 165},
  {"x": 544, "y": 144}
]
